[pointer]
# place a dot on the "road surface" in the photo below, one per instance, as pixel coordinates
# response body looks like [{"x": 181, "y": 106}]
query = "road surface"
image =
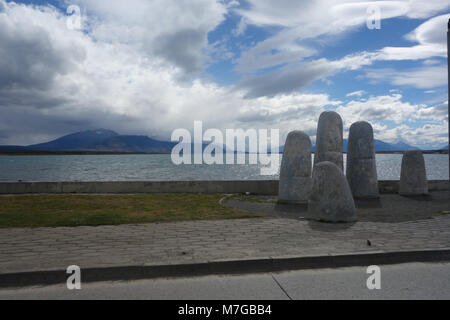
[{"x": 402, "y": 281}]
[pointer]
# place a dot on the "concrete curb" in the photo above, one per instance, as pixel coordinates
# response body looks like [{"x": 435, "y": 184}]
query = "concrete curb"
[{"x": 219, "y": 267}]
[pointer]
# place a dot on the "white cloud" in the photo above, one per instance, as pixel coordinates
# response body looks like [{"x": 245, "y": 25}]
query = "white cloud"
[
  {"x": 87, "y": 81},
  {"x": 286, "y": 107},
  {"x": 422, "y": 78},
  {"x": 431, "y": 62},
  {"x": 295, "y": 76},
  {"x": 240, "y": 28},
  {"x": 356, "y": 93},
  {"x": 127, "y": 70},
  {"x": 426, "y": 137},
  {"x": 432, "y": 45},
  {"x": 432, "y": 39},
  {"x": 271, "y": 52},
  {"x": 338, "y": 14},
  {"x": 306, "y": 25},
  {"x": 419, "y": 9},
  {"x": 437, "y": 112},
  {"x": 302, "y": 20},
  {"x": 172, "y": 30},
  {"x": 378, "y": 109},
  {"x": 233, "y": 3}
]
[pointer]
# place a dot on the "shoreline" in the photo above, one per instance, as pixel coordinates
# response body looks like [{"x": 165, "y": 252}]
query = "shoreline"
[
  {"x": 75, "y": 153},
  {"x": 96, "y": 153},
  {"x": 253, "y": 187}
]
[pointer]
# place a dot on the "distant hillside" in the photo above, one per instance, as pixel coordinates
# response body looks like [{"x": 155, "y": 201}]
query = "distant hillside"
[
  {"x": 133, "y": 144},
  {"x": 380, "y": 146},
  {"x": 384, "y": 146},
  {"x": 100, "y": 140},
  {"x": 78, "y": 141},
  {"x": 403, "y": 146},
  {"x": 12, "y": 148}
]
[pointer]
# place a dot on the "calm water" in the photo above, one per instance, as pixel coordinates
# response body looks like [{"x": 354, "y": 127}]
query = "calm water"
[{"x": 160, "y": 167}]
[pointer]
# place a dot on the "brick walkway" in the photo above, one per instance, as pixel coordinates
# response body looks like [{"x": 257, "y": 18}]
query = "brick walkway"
[{"x": 201, "y": 241}]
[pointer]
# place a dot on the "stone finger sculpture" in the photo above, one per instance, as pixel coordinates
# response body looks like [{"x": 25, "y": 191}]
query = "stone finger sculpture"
[
  {"x": 413, "y": 179},
  {"x": 331, "y": 198},
  {"x": 361, "y": 162},
  {"x": 295, "y": 171},
  {"x": 329, "y": 140}
]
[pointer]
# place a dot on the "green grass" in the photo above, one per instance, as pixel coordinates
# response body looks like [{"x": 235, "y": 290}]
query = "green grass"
[
  {"x": 95, "y": 210},
  {"x": 254, "y": 199}
]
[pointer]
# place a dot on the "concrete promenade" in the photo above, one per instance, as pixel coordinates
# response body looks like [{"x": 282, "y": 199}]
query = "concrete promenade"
[{"x": 226, "y": 246}]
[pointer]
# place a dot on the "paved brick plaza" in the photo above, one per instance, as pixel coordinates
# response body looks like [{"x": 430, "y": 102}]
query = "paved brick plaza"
[{"x": 201, "y": 241}]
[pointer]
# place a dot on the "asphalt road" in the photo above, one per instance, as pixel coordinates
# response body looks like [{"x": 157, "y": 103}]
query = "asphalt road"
[{"x": 402, "y": 281}]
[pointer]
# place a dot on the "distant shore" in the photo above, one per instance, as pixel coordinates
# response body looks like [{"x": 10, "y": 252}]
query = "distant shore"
[
  {"x": 70, "y": 153},
  {"x": 423, "y": 151}
]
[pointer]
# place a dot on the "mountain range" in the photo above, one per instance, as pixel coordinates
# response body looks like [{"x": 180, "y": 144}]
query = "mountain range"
[
  {"x": 380, "y": 146},
  {"x": 102, "y": 140}
]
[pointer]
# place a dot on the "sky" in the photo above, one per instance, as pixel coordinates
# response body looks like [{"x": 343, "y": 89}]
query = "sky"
[{"x": 148, "y": 67}]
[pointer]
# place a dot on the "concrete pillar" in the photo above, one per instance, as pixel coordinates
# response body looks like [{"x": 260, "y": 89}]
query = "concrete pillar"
[
  {"x": 331, "y": 198},
  {"x": 361, "y": 162},
  {"x": 413, "y": 179},
  {"x": 295, "y": 171},
  {"x": 329, "y": 140}
]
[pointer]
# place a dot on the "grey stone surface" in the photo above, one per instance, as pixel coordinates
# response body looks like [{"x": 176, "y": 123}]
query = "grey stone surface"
[
  {"x": 402, "y": 281},
  {"x": 295, "y": 171},
  {"x": 389, "y": 208},
  {"x": 331, "y": 198},
  {"x": 31, "y": 249},
  {"x": 329, "y": 142},
  {"x": 361, "y": 162},
  {"x": 413, "y": 179}
]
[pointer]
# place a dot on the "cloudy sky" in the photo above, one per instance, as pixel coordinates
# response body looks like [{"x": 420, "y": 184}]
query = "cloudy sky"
[{"x": 151, "y": 66}]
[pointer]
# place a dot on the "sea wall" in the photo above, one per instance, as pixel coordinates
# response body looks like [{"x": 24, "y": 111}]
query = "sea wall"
[{"x": 260, "y": 187}]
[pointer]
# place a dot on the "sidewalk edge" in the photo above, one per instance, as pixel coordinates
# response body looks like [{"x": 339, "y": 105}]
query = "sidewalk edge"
[{"x": 223, "y": 267}]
